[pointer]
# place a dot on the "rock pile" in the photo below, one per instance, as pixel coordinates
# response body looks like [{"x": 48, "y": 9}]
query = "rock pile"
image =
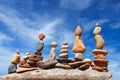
[{"x": 100, "y": 63}]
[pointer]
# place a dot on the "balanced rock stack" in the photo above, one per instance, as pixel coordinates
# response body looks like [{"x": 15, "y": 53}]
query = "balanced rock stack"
[
  {"x": 100, "y": 63},
  {"x": 63, "y": 57},
  {"x": 79, "y": 49},
  {"x": 37, "y": 55},
  {"x": 51, "y": 62}
]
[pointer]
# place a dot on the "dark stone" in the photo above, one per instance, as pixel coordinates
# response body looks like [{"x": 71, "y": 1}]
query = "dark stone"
[
  {"x": 32, "y": 63},
  {"x": 46, "y": 64},
  {"x": 12, "y": 68},
  {"x": 77, "y": 64},
  {"x": 84, "y": 66},
  {"x": 64, "y": 60}
]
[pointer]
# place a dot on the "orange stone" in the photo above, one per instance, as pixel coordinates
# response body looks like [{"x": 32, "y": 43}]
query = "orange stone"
[
  {"x": 78, "y": 31},
  {"x": 41, "y": 36}
]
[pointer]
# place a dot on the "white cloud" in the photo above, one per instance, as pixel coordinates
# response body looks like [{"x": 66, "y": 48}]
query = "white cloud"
[
  {"x": 5, "y": 38},
  {"x": 90, "y": 24},
  {"x": 76, "y": 4}
]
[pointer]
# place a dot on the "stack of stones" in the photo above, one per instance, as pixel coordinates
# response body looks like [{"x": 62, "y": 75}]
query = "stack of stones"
[
  {"x": 100, "y": 63},
  {"x": 79, "y": 49},
  {"x": 63, "y": 57},
  {"x": 24, "y": 61},
  {"x": 37, "y": 55},
  {"x": 51, "y": 62}
]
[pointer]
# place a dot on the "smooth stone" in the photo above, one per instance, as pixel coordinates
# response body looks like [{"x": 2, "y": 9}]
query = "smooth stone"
[
  {"x": 46, "y": 64},
  {"x": 41, "y": 36},
  {"x": 99, "y": 56},
  {"x": 53, "y": 44},
  {"x": 64, "y": 60},
  {"x": 78, "y": 56},
  {"x": 15, "y": 58},
  {"x": 78, "y": 46},
  {"x": 101, "y": 62},
  {"x": 65, "y": 55},
  {"x": 78, "y": 31},
  {"x": 99, "y": 42},
  {"x": 65, "y": 66},
  {"x": 77, "y": 64},
  {"x": 52, "y": 55},
  {"x": 87, "y": 60},
  {"x": 64, "y": 46},
  {"x": 40, "y": 45},
  {"x": 19, "y": 70},
  {"x": 99, "y": 51},
  {"x": 25, "y": 66},
  {"x": 84, "y": 66},
  {"x": 64, "y": 51},
  {"x": 98, "y": 68},
  {"x": 35, "y": 58},
  {"x": 12, "y": 68},
  {"x": 97, "y": 30}
]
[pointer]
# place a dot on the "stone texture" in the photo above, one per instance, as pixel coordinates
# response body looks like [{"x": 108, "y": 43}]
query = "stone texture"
[
  {"x": 99, "y": 51},
  {"x": 78, "y": 31},
  {"x": 78, "y": 46},
  {"x": 84, "y": 66},
  {"x": 77, "y": 64},
  {"x": 59, "y": 74},
  {"x": 98, "y": 38},
  {"x": 79, "y": 56},
  {"x": 64, "y": 66},
  {"x": 52, "y": 55},
  {"x": 15, "y": 58},
  {"x": 12, "y": 68},
  {"x": 46, "y": 64},
  {"x": 19, "y": 70}
]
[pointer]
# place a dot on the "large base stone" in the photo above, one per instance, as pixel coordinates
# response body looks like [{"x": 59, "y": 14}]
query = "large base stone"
[{"x": 59, "y": 74}]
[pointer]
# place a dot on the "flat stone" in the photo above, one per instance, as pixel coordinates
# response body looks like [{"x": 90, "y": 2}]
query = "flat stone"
[
  {"x": 46, "y": 64},
  {"x": 99, "y": 51},
  {"x": 84, "y": 66},
  {"x": 64, "y": 51},
  {"x": 64, "y": 60},
  {"x": 19, "y": 70},
  {"x": 77, "y": 64},
  {"x": 65, "y": 55},
  {"x": 65, "y": 66},
  {"x": 59, "y": 74}
]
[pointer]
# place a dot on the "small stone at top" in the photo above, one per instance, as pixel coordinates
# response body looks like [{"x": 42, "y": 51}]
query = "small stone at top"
[
  {"x": 78, "y": 31},
  {"x": 97, "y": 24}
]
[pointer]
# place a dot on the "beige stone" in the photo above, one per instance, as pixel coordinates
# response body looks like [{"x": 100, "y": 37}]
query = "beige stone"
[
  {"x": 59, "y": 74},
  {"x": 52, "y": 55},
  {"x": 78, "y": 46},
  {"x": 65, "y": 66},
  {"x": 64, "y": 46},
  {"x": 19, "y": 70},
  {"x": 99, "y": 51},
  {"x": 15, "y": 58},
  {"x": 99, "y": 42},
  {"x": 64, "y": 51},
  {"x": 78, "y": 56}
]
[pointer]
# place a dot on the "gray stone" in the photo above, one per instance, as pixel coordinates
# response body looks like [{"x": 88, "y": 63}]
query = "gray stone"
[{"x": 12, "y": 68}]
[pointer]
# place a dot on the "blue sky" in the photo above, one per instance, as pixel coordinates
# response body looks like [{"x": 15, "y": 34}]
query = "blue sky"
[{"x": 22, "y": 20}]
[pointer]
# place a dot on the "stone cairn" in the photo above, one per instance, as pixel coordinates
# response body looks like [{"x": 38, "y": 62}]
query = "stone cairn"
[
  {"x": 63, "y": 57},
  {"x": 15, "y": 60},
  {"x": 37, "y": 55},
  {"x": 100, "y": 63},
  {"x": 79, "y": 49},
  {"x": 29, "y": 62}
]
